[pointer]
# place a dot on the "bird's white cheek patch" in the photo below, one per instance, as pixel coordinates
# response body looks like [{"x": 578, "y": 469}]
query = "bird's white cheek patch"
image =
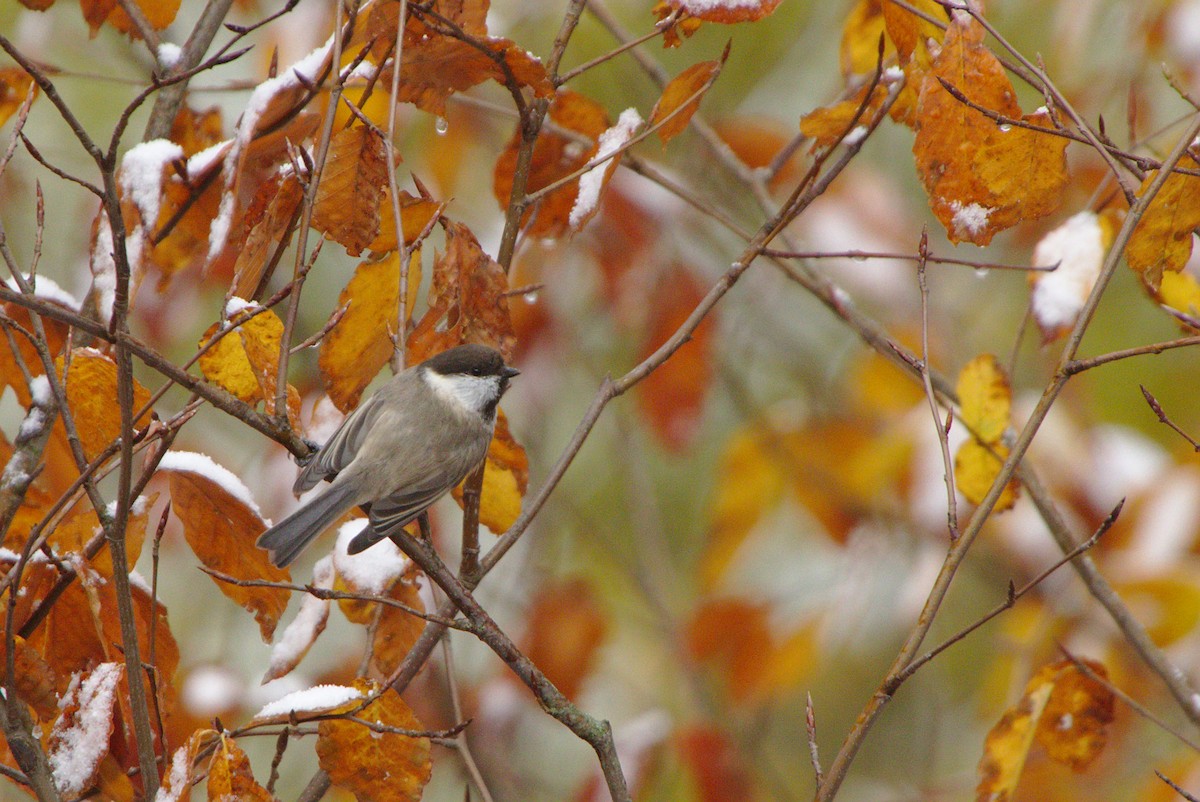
[{"x": 470, "y": 393}]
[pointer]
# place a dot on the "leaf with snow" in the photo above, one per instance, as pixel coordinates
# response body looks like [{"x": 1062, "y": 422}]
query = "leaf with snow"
[
  {"x": 592, "y": 183},
  {"x": 81, "y": 735},
  {"x": 221, "y": 523},
  {"x": 981, "y": 177},
  {"x": 318, "y": 699},
  {"x": 302, "y": 632},
  {"x": 725, "y": 11}
]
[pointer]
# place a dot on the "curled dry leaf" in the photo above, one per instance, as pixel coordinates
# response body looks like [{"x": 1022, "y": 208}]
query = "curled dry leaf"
[
  {"x": 1161, "y": 242},
  {"x": 230, "y": 776},
  {"x": 346, "y": 208},
  {"x": 555, "y": 156},
  {"x": 14, "y": 88},
  {"x": 362, "y": 342},
  {"x": 468, "y": 301},
  {"x": 221, "y": 524},
  {"x": 981, "y": 177},
  {"x": 505, "y": 479},
  {"x": 376, "y": 765},
  {"x": 682, "y": 97}
]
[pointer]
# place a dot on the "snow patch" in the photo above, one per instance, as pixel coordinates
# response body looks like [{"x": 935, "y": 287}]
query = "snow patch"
[
  {"x": 311, "y": 700},
  {"x": 81, "y": 741},
  {"x": 303, "y": 630},
  {"x": 971, "y": 219},
  {"x": 1077, "y": 247},
  {"x": 202, "y": 464},
  {"x": 372, "y": 571}
]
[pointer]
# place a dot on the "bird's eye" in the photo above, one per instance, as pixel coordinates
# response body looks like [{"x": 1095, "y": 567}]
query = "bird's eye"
[{"x": 476, "y": 371}]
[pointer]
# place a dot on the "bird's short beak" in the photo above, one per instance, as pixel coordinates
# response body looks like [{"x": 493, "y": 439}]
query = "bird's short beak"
[{"x": 508, "y": 372}]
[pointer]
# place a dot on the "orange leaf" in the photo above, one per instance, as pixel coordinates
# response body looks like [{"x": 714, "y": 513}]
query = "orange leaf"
[
  {"x": 756, "y": 141},
  {"x": 727, "y": 12},
  {"x": 565, "y": 630},
  {"x": 829, "y": 125},
  {"x": 221, "y": 523},
  {"x": 719, "y": 771},
  {"x": 229, "y": 774},
  {"x": 91, "y": 384},
  {"x": 15, "y": 84},
  {"x": 195, "y": 131},
  {"x": 244, "y": 361},
  {"x": 397, "y": 629},
  {"x": 1162, "y": 240},
  {"x": 681, "y": 27},
  {"x": 376, "y": 765},
  {"x": 35, "y": 679},
  {"x": 910, "y": 33},
  {"x": 159, "y": 13},
  {"x": 554, "y": 157},
  {"x": 354, "y": 350},
  {"x": 469, "y": 295},
  {"x": 346, "y": 208},
  {"x": 681, "y": 97},
  {"x": 505, "y": 479},
  {"x": 415, "y": 214},
  {"x": 672, "y": 396},
  {"x": 56, "y": 338},
  {"x": 73, "y": 534},
  {"x": 178, "y": 776},
  {"x": 981, "y": 177}
]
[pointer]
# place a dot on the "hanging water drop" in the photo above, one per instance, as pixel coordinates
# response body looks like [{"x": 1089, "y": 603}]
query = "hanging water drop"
[{"x": 442, "y": 125}]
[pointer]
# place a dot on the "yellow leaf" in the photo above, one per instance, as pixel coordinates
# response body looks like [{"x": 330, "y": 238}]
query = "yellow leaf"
[
  {"x": 827, "y": 125},
  {"x": 1007, "y": 746},
  {"x": 244, "y": 361},
  {"x": 859, "y": 52},
  {"x": 91, "y": 394},
  {"x": 376, "y": 765},
  {"x": 1180, "y": 291},
  {"x": 1168, "y": 605},
  {"x": 355, "y": 350},
  {"x": 985, "y": 398},
  {"x": 976, "y": 468},
  {"x": 415, "y": 214},
  {"x": 1073, "y": 726},
  {"x": 505, "y": 479},
  {"x": 1162, "y": 240}
]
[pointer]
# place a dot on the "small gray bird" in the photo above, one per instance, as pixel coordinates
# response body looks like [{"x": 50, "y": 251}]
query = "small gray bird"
[{"x": 404, "y": 448}]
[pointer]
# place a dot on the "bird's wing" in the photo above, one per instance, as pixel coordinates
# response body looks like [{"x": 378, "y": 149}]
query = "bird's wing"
[
  {"x": 389, "y": 514},
  {"x": 340, "y": 450}
]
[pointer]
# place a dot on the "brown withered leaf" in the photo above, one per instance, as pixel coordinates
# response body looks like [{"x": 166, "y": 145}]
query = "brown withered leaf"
[
  {"x": 271, "y": 217},
  {"x": 346, "y": 208},
  {"x": 468, "y": 295},
  {"x": 398, "y": 630},
  {"x": 505, "y": 479},
  {"x": 1162, "y": 240},
  {"x": 554, "y": 157},
  {"x": 565, "y": 630},
  {"x": 672, "y": 396},
  {"x": 415, "y": 214},
  {"x": 230, "y": 776},
  {"x": 682, "y": 96},
  {"x": 221, "y": 524},
  {"x": 725, "y": 13},
  {"x": 982, "y": 178},
  {"x": 376, "y": 765},
  {"x": 35, "y": 679},
  {"x": 244, "y": 361},
  {"x": 14, "y": 88},
  {"x": 91, "y": 385},
  {"x": 361, "y": 343}
]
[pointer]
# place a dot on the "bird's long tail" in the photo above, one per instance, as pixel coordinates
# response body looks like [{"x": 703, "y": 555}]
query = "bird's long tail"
[{"x": 286, "y": 539}]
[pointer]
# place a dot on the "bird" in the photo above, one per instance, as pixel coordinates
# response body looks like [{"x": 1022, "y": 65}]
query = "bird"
[{"x": 401, "y": 450}]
